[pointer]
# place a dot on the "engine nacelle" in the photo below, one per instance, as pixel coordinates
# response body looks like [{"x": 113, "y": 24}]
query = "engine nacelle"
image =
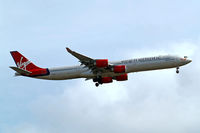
[
  {"x": 122, "y": 77},
  {"x": 106, "y": 80},
  {"x": 101, "y": 63},
  {"x": 119, "y": 69}
]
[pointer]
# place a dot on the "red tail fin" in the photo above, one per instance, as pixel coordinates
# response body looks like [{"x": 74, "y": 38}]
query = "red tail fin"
[
  {"x": 25, "y": 67},
  {"x": 22, "y": 62}
]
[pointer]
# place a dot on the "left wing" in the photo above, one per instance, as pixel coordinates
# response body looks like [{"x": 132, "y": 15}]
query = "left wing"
[{"x": 96, "y": 65}]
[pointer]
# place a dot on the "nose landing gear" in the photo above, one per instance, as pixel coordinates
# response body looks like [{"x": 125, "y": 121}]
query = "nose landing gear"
[{"x": 177, "y": 70}]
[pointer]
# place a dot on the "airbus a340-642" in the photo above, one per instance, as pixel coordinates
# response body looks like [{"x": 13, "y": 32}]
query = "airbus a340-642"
[{"x": 99, "y": 70}]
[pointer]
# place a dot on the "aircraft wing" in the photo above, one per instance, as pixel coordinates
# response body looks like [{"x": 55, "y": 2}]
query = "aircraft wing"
[
  {"x": 81, "y": 57},
  {"x": 88, "y": 62}
]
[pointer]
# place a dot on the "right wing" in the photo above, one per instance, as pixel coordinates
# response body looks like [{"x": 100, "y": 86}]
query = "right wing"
[
  {"x": 90, "y": 63},
  {"x": 82, "y": 58}
]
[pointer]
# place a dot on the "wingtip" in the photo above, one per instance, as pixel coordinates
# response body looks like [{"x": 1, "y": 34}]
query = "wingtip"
[
  {"x": 69, "y": 50},
  {"x": 11, "y": 67}
]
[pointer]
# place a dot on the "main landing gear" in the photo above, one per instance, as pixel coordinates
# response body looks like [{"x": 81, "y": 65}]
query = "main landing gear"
[
  {"x": 96, "y": 84},
  {"x": 177, "y": 70},
  {"x": 97, "y": 80}
]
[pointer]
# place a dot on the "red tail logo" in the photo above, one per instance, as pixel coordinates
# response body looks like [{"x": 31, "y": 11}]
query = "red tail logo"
[
  {"x": 22, "y": 62},
  {"x": 23, "y": 65}
]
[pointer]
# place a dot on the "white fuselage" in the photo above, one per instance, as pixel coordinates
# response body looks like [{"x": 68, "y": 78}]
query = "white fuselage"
[{"x": 132, "y": 65}]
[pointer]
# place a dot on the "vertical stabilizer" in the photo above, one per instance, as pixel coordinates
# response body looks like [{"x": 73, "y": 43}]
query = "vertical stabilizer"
[
  {"x": 22, "y": 62},
  {"x": 26, "y": 67}
]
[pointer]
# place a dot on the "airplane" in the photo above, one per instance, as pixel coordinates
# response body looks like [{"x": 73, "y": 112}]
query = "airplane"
[{"x": 99, "y": 70}]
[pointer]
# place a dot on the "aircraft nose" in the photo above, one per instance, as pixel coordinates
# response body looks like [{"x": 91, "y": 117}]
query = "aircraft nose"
[{"x": 188, "y": 60}]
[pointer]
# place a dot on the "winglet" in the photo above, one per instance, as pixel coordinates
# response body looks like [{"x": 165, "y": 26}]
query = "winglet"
[
  {"x": 69, "y": 50},
  {"x": 77, "y": 55}
]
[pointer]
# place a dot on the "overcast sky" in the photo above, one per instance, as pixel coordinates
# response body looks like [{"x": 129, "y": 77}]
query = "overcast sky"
[{"x": 156, "y": 101}]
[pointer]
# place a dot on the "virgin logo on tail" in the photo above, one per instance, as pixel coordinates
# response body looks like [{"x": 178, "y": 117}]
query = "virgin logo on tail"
[{"x": 23, "y": 65}]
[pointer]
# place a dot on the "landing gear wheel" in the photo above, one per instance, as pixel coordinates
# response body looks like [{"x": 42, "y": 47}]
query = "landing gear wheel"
[
  {"x": 177, "y": 70},
  {"x": 96, "y": 84}
]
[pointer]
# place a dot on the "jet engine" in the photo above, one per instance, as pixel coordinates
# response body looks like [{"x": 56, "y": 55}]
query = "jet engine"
[
  {"x": 103, "y": 80},
  {"x": 101, "y": 63},
  {"x": 122, "y": 77},
  {"x": 106, "y": 80},
  {"x": 119, "y": 69}
]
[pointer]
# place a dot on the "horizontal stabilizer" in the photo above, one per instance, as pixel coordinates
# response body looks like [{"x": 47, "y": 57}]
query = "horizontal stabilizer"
[{"x": 21, "y": 71}]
